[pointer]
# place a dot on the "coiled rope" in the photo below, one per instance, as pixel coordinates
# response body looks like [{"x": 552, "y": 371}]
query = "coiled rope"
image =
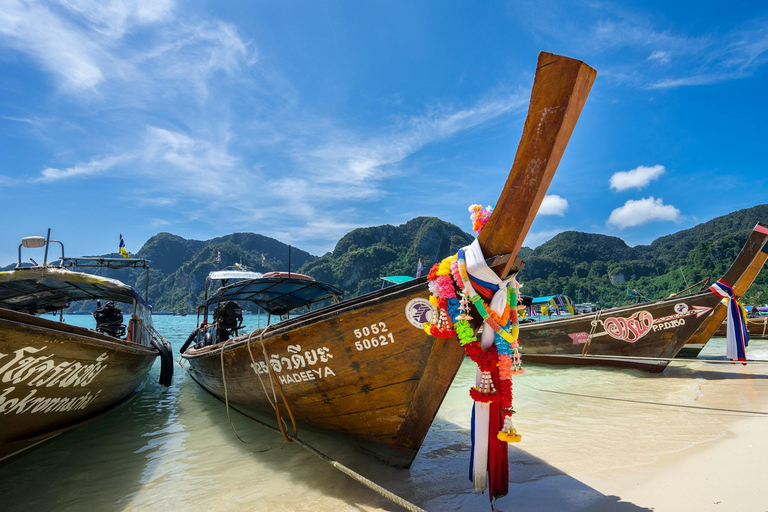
[{"x": 647, "y": 402}]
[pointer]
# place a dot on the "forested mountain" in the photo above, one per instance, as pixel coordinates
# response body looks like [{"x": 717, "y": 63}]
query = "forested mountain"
[
  {"x": 364, "y": 255},
  {"x": 591, "y": 267},
  {"x": 587, "y": 267}
]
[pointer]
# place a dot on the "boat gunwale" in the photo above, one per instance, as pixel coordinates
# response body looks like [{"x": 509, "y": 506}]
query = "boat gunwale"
[
  {"x": 84, "y": 334},
  {"x": 309, "y": 318}
]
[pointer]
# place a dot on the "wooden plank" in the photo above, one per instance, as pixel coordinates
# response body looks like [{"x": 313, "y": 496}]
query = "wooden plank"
[{"x": 560, "y": 90}]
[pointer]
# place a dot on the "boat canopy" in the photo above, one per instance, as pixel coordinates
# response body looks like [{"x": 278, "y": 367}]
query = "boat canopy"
[
  {"x": 39, "y": 289},
  {"x": 398, "y": 279},
  {"x": 276, "y": 295}
]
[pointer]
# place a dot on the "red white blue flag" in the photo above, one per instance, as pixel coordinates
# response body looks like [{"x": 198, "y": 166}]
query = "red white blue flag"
[
  {"x": 419, "y": 269},
  {"x": 737, "y": 335}
]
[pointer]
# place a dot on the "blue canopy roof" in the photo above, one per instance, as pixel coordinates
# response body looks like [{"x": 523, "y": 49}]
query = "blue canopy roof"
[{"x": 277, "y": 295}]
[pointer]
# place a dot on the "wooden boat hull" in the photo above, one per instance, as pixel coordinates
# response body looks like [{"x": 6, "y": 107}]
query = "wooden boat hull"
[
  {"x": 642, "y": 336},
  {"x": 363, "y": 368},
  {"x": 54, "y": 377},
  {"x": 384, "y": 388}
]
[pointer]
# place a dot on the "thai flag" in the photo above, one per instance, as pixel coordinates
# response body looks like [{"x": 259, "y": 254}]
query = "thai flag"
[
  {"x": 263, "y": 260},
  {"x": 218, "y": 256},
  {"x": 419, "y": 269}
]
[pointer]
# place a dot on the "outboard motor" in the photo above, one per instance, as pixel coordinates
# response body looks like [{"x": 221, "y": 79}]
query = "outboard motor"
[
  {"x": 109, "y": 319},
  {"x": 228, "y": 317}
]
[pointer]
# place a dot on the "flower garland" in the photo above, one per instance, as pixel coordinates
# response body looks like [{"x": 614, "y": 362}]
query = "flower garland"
[
  {"x": 452, "y": 293},
  {"x": 479, "y": 216}
]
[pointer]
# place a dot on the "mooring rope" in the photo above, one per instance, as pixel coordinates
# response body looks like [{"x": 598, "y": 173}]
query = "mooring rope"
[
  {"x": 647, "y": 402},
  {"x": 668, "y": 359},
  {"x": 273, "y": 380},
  {"x": 226, "y": 394},
  {"x": 394, "y": 498},
  {"x": 594, "y": 323}
]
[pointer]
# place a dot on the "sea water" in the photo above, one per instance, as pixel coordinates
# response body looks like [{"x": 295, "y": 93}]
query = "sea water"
[{"x": 174, "y": 449}]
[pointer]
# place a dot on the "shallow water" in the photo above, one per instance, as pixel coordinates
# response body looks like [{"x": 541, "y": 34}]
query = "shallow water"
[{"x": 173, "y": 449}]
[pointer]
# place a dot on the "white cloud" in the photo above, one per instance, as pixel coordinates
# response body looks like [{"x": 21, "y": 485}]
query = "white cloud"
[
  {"x": 659, "y": 56},
  {"x": 553, "y": 205},
  {"x": 642, "y": 211},
  {"x": 82, "y": 44},
  {"x": 96, "y": 166},
  {"x": 343, "y": 160},
  {"x": 638, "y": 177}
]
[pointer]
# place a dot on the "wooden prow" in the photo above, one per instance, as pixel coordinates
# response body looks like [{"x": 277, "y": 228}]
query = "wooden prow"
[
  {"x": 560, "y": 89},
  {"x": 740, "y": 276}
]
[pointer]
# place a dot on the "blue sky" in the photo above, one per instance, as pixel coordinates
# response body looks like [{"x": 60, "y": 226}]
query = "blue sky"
[{"x": 304, "y": 120}]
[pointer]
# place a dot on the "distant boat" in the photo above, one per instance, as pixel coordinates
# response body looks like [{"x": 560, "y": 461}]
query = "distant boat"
[
  {"x": 643, "y": 335},
  {"x": 365, "y": 367},
  {"x": 55, "y": 376},
  {"x": 758, "y": 328}
]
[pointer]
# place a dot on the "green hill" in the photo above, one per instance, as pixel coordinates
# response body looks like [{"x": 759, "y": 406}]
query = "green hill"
[
  {"x": 585, "y": 266},
  {"x": 592, "y": 267}
]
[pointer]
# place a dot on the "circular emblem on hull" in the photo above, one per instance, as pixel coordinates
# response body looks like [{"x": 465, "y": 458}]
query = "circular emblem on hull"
[
  {"x": 681, "y": 308},
  {"x": 418, "y": 311}
]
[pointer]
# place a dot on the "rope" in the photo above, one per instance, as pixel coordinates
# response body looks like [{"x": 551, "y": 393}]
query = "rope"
[
  {"x": 273, "y": 380},
  {"x": 645, "y": 402},
  {"x": 394, "y": 498},
  {"x": 592, "y": 332},
  {"x": 226, "y": 395},
  {"x": 668, "y": 359}
]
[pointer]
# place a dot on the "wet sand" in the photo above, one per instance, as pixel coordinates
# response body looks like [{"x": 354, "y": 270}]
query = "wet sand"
[{"x": 174, "y": 449}]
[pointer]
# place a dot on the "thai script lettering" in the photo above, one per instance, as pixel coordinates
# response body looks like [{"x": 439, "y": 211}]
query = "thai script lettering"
[
  {"x": 33, "y": 404},
  {"x": 24, "y": 366},
  {"x": 295, "y": 362},
  {"x": 629, "y": 329}
]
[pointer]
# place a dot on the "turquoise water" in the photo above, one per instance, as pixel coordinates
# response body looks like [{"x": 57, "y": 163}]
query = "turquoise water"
[{"x": 173, "y": 449}]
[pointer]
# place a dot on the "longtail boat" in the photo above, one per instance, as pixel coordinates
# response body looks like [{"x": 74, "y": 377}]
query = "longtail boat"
[
  {"x": 55, "y": 376},
  {"x": 645, "y": 335},
  {"x": 365, "y": 367},
  {"x": 741, "y": 284}
]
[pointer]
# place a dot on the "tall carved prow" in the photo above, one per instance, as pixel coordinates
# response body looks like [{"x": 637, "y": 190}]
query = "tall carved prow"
[{"x": 560, "y": 89}]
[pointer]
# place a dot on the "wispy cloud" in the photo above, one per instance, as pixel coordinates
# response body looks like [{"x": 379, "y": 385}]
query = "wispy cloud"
[
  {"x": 96, "y": 166},
  {"x": 553, "y": 205},
  {"x": 660, "y": 56},
  {"x": 642, "y": 211},
  {"x": 638, "y": 177},
  {"x": 634, "y": 48}
]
